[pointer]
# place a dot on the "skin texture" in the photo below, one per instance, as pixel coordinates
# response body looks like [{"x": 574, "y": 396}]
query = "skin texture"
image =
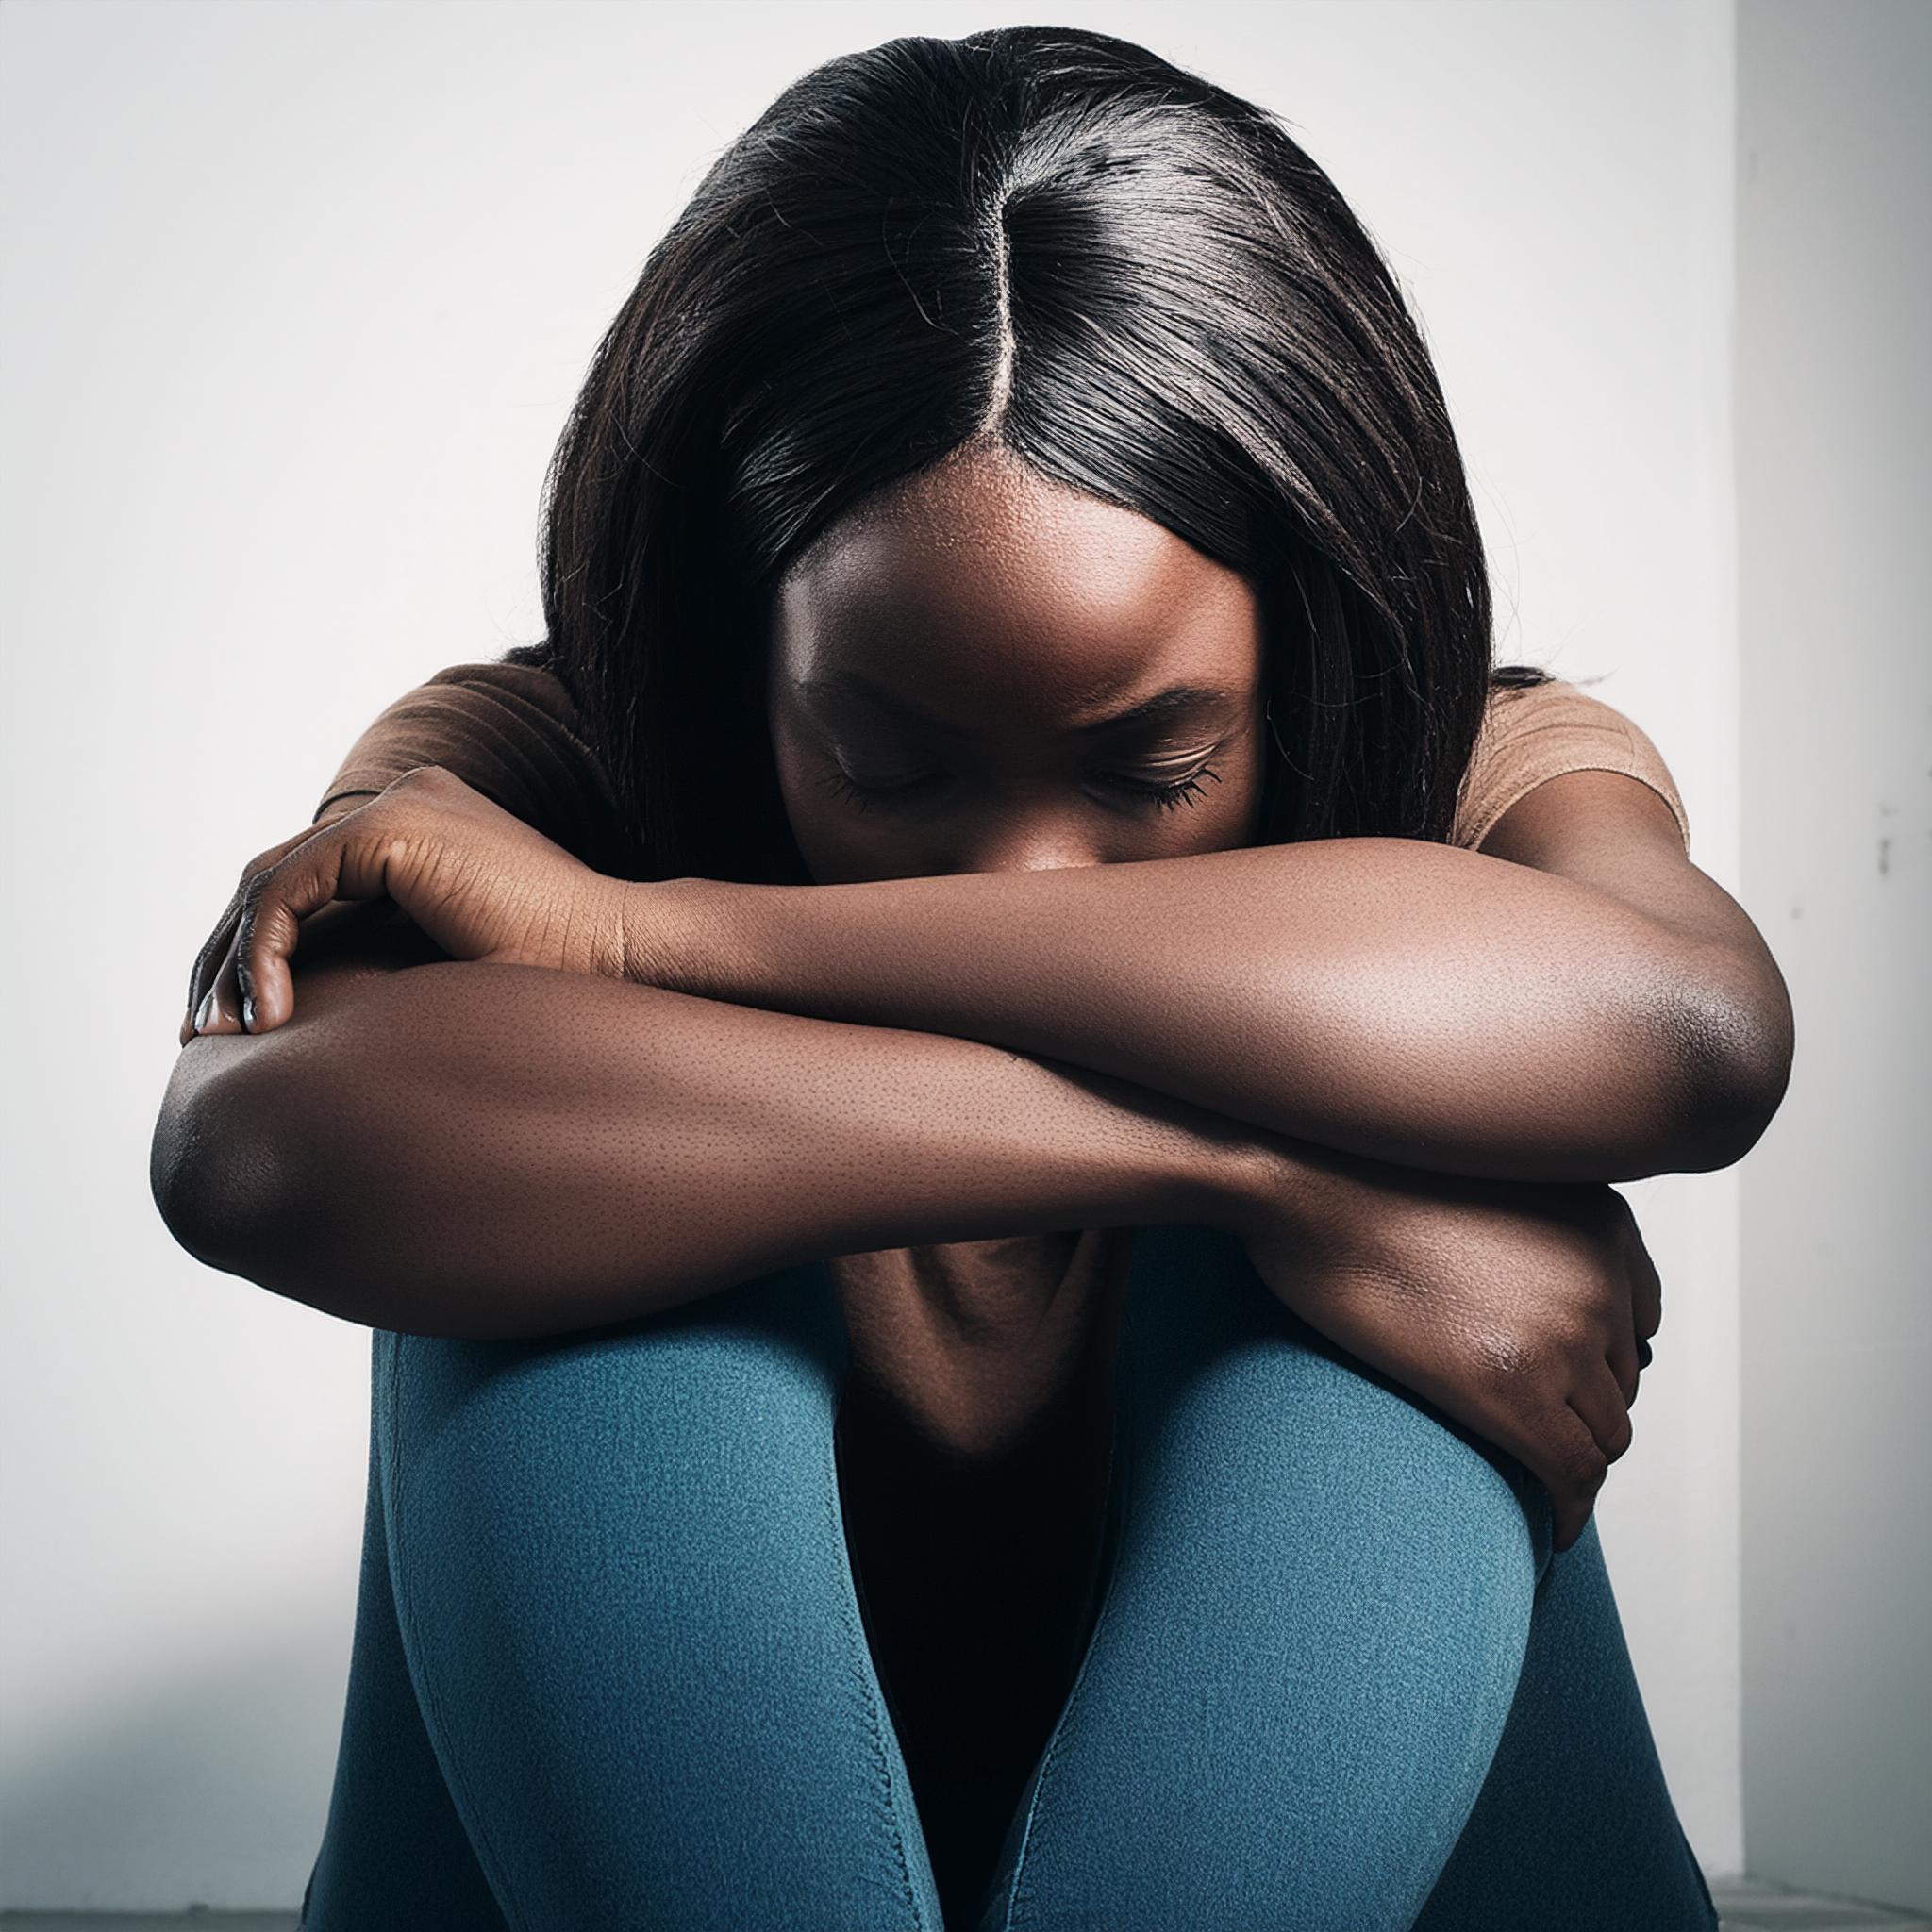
[{"x": 1023, "y": 1005}]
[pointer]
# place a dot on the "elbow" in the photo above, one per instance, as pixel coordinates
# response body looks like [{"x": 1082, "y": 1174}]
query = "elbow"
[
  {"x": 1735, "y": 1032},
  {"x": 217, "y": 1169},
  {"x": 200, "y": 1187},
  {"x": 248, "y": 1177}
]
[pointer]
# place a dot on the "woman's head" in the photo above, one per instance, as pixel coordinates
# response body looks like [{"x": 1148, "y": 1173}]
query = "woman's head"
[
  {"x": 987, "y": 670},
  {"x": 1020, "y": 377}
]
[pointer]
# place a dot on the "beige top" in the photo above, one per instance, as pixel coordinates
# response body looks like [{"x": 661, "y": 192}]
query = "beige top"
[{"x": 510, "y": 731}]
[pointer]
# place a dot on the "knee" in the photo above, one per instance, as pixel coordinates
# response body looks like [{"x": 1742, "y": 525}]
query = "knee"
[
  {"x": 753, "y": 1370},
  {"x": 1381, "y": 1463},
  {"x": 1493, "y": 1496},
  {"x": 1259, "y": 1403}
]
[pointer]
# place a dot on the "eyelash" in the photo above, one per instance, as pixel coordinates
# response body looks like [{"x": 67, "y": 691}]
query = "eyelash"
[{"x": 1165, "y": 797}]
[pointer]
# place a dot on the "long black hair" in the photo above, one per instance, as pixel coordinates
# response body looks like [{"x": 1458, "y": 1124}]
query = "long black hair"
[{"x": 1058, "y": 241}]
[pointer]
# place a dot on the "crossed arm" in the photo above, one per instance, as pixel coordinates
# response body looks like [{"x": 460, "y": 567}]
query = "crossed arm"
[
  {"x": 1575, "y": 1002},
  {"x": 835, "y": 1070}
]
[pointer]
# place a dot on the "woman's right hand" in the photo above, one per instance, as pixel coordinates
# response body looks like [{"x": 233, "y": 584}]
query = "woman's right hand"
[
  {"x": 1522, "y": 1310},
  {"x": 480, "y": 882}
]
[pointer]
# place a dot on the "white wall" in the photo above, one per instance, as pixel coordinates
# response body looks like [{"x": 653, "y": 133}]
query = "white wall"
[
  {"x": 1835, "y": 406},
  {"x": 298, "y": 296}
]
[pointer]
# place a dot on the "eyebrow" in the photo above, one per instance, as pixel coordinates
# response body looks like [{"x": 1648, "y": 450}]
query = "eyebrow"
[{"x": 1165, "y": 706}]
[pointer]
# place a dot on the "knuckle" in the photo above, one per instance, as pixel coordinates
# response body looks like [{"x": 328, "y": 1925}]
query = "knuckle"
[
  {"x": 1582, "y": 1318},
  {"x": 1604, "y": 1290},
  {"x": 1508, "y": 1360}
]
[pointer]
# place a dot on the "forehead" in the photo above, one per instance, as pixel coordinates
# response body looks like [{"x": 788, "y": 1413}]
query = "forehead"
[{"x": 980, "y": 586}]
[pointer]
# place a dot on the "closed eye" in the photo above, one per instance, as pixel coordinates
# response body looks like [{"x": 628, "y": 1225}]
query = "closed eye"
[
  {"x": 1168, "y": 797},
  {"x": 865, "y": 796},
  {"x": 1163, "y": 796}
]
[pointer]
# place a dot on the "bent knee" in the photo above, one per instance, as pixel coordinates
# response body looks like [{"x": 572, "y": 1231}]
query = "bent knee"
[{"x": 759, "y": 1362}]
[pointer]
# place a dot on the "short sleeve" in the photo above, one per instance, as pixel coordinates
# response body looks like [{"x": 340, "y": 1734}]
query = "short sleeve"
[
  {"x": 1538, "y": 731},
  {"x": 508, "y": 729}
]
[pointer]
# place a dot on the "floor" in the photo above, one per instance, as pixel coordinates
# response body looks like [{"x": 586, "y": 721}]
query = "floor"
[
  {"x": 1752, "y": 1905},
  {"x": 1747, "y": 1905}
]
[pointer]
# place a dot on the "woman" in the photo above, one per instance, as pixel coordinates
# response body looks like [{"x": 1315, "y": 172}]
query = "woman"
[{"x": 1009, "y": 1305}]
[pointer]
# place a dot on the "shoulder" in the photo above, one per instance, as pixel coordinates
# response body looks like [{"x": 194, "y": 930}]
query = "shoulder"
[
  {"x": 1534, "y": 732},
  {"x": 520, "y": 686},
  {"x": 509, "y": 727}
]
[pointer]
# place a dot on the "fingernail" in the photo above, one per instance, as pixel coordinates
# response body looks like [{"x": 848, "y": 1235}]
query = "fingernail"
[
  {"x": 248, "y": 1014},
  {"x": 204, "y": 1014}
]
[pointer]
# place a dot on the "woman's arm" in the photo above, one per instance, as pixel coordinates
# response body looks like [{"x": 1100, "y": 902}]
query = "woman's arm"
[
  {"x": 516, "y": 1150},
  {"x": 491, "y": 1150},
  {"x": 1575, "y": 1001},
  {"x": 490, "y": 1155}
]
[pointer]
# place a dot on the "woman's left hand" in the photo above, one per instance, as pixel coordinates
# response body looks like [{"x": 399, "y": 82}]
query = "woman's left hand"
[
  {"x": 1521, "y": 1309},
  {"x": 480, "y": 883}
]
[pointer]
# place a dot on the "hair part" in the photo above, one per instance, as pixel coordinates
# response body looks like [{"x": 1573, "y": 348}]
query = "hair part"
[{"x": 1056, "y": 242}]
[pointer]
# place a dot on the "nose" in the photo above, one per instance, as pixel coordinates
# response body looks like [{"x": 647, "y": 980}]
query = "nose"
[{"x": 1028, "y": 842}]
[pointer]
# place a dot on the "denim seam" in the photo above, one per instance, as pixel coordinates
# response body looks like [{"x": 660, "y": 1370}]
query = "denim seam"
[
  {"x": 406, "y": 1620},
  {"x": 857, "y": 1655},
  {"x": 1128, "y": 1430}
]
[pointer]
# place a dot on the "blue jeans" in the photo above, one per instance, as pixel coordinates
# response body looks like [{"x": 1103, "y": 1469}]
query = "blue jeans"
[{"x": 609, "y": 1668}]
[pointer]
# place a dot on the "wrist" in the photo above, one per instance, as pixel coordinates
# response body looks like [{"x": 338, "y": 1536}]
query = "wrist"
[
  {"x": 1274, "y": 1184},
  {"x": 675, "y": 934},
  {"x": 1239, "y": 1180},
  {"x": 654, "y": 947}
]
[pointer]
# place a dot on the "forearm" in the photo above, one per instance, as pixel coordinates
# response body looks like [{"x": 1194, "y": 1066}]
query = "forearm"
[
  {"x": 496, "y": 1150},
  {"x": 1409, "y": 1002}
]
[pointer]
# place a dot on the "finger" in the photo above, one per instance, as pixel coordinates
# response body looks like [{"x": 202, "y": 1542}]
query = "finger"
[
  {"x": 1558, "y": 1449},
  {"x": 278, "y": 902},
  {"x": 1624, "y": 1359},
  {"x": 1646, "y": 1292},
  {"x": 208, "y": 963},
  {"x": 1600, "y": 1401},
  {"x": 267, "y": 936},
  {"x": 1572, "y": 1467},
  {"x": 220, "y": 1007},
  {"x": 216, "y": 948}
]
